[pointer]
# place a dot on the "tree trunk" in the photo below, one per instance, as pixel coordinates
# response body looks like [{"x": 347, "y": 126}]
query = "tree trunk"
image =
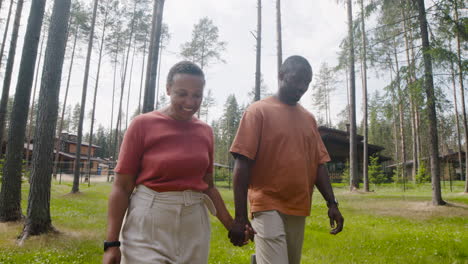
[
  {"x": 159, "y": 76},
  {"x": 10, "y": 197},
  {"x": 5, "y": 34},
  {"x": 410, "y": 80},
  {"x": 431, "y": 108},
  {"x": 258, "y": 61},
  {"x": 77, "y": 167},
  {"x": 353, "y": 161},
  {"x": 122, "y": 85},
  {"x": 31, "y": 108},
  {"x": 129, "y": 87},
  {"x": 462, "y": 91},
  {"x": 38, "y": 219},
  {"x": 457, "y": 119},
  {"x": 111, "y": 152},
  {"x": 402, "y": 117},
  {"x": 365, "y": 158},
  {"x": 95, "y": 95},
  {"x": 151, "y": 68},
  {"x": 64, "y": 108},
  {"x": 279, "y": 41},
  {"x": 142, "y": 75},
  {"x": 9, "y": 71}
]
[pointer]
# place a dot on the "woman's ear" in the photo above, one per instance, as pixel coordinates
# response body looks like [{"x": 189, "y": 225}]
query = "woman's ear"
[{"x": 168, "y": 89}]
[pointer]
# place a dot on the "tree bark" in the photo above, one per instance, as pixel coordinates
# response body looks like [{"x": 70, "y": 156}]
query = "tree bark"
[
  {"x": 410, "y": 80},
  {"x": 77, "y": 167},
  {"x": 279, "y": 41},
  {"x": 129, "y": 87},
  {"x": 151, "y": 68},
  {"x": 64, "y": 108},
  {"x": 353, "y": 161},
  {"x": 431, "y": 108},
  {"x": 462, "y": 91},
  {"x": 31, "y": 109},
  {"x": 142, "y": 75},
  {"x": 258, "y": 58},
  {"x": 95, "y": 96},
  {"x": 10, "y": 198},
  {"x": 5, "y": 34},
  {"x": 122, "y": 85},
  {"x": 9, "y": 70},
  {"x": 457, "y": 119},
  {"x": 38, "y": 219},
  {"x": 365, "y": 158}
]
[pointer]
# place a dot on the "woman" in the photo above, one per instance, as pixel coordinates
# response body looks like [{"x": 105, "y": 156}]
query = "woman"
[{"x": 168, "y": 156}]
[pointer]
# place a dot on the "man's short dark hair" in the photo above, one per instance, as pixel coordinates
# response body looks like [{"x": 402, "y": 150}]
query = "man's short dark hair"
[
  {"x": 184, "y": 67},
  {"x": 293, "y": 63}
]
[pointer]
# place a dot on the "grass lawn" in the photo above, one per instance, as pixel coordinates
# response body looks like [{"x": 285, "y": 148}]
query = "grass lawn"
[{"x": 385, "y": 226}]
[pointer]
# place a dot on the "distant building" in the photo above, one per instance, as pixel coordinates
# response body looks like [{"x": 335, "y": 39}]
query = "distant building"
[{"x": 67, "y": 157}]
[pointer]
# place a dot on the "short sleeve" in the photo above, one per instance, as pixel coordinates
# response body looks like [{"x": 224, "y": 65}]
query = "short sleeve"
[
  {"x": 323, "y": 156},
  {"x": 211, "y": 151},
  {"x": 248, "y": 135},
  {"x": 131, "y": 150}
]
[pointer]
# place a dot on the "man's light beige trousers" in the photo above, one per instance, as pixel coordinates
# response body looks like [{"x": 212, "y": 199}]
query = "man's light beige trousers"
[
  {"x": 166, "y": 228},
  {"x": 279, "y": 237}
]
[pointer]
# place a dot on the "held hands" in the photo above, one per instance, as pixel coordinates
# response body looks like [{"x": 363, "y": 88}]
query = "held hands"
[
  {"x": 241, "y": 232},
  {"x": 336, "y": 219}
]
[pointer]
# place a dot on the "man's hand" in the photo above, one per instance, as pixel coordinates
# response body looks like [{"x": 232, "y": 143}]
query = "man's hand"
[
  {"x": 111, "y": 256},
  {"x": 240, "y": 232},
  {"x": 336, "y": 219}
]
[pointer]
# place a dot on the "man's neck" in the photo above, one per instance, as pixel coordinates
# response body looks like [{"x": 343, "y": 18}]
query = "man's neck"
[{"x": 284, "y": 100}]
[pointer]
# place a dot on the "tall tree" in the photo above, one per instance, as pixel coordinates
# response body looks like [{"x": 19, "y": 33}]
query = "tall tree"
[
  {"x": 165, "y": 38},
  {"x": 431, "y": 107},
  {"x": 208, "y": 102},
  {"x": 279, "y": 41},
  {"x": 104, "y": 9},
  {"x": 77, "y": 167},
  {"x": 32, "y": 108},
  {"x": 324, "y": 85},
  {"x": 78, "y": 21},
  {"x": 258, "y": 52},
  {"x": 124, "y": 74},
  {"x": 5, "y": 34},
  {"x": 10, "y": 197},
  {"x": 38, "y": 218},
  {"x": 365, "y": 158},
  {"x": 353, "y": 170},
  {"x": 205, "y": 47},
  {"x": 9, "y": 69},
  {"x": 151, "y": 68}
]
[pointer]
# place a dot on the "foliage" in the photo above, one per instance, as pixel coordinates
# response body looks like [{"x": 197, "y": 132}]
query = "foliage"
[
  {"x": 376, "y": 175},
  {"x": 423, "y": 175},
  {"x": 345, "y": 176},
  {"x": 205, "y": 47}
]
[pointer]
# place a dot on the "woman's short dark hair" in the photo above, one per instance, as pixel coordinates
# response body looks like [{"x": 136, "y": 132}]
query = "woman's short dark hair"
[{"x": 184, "y": 67}]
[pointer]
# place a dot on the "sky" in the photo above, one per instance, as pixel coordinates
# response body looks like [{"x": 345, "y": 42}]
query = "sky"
[{"x": 313, "y": 29}]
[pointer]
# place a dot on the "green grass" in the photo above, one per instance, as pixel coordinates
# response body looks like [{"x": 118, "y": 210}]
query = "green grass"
[{"x": 385, "y": 226}]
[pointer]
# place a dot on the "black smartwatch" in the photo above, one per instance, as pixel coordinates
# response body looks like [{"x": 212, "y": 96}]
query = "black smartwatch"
[
  {"x": 108, "y": 244},
  {"x": 330, "y": 203}
]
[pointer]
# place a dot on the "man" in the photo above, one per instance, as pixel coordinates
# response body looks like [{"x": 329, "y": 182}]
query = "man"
[{"x": 280, "y": 156}]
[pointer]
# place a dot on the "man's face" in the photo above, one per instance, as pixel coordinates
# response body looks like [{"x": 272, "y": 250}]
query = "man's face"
[{"x": 293, "y": 84}]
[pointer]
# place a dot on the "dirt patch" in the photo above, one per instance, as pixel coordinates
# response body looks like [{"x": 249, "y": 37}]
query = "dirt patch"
[{"x": 413, "y": 209}]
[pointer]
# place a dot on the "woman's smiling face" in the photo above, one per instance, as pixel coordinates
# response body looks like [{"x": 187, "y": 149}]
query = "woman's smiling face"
[{"x": 186, "y": 92}]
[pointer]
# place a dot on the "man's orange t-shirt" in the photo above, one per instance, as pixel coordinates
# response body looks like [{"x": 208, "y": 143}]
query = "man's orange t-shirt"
[
  {"x": 167, "y": 154},
  {"x": 286, "y": 147}
]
